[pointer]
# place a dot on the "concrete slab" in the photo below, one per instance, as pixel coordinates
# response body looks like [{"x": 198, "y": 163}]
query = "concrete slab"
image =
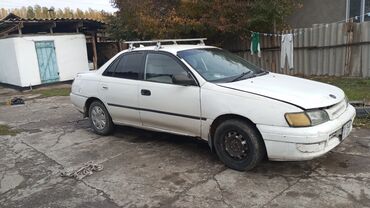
[
  {"x": 150, "y": 169},
  {"x": 325, "y": 192}
]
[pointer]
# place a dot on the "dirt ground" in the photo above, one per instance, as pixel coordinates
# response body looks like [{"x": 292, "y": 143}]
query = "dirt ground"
[{"x": 149, "y": 169}]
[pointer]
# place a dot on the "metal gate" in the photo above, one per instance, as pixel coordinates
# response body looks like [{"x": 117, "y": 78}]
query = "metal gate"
[{"x": 46, "y": 58}]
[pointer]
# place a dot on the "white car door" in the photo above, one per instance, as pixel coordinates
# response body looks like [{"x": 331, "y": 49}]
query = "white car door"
[
  {"x": 120, "y": 88},
  {"x": 164, "y": 102}
]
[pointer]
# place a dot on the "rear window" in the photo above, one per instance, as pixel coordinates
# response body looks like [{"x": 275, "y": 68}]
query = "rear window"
[
  {"x": 111, "y": 68},
  {"x": 127, "y": 66}
]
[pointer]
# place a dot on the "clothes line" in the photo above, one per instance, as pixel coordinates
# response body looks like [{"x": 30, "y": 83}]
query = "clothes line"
[{"x": 286, "y": 48}]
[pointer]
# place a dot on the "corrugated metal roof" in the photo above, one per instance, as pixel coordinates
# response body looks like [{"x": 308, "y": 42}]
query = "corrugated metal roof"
[
  {"x": 12, "y": 23},
  {"x": 14, "y": 18}
]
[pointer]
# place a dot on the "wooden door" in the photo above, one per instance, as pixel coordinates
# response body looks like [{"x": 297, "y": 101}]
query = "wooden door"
[{"x": 47, "y": 61}]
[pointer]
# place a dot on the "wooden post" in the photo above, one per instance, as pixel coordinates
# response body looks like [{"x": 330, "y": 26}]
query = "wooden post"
[
  {"x": 95, "y": 54},
  {"x": 118, "y": 46},
  {"x": 20, "y": 26},
  {"x": 78, "y": 26},
  {"x": 51, "y": 26}
]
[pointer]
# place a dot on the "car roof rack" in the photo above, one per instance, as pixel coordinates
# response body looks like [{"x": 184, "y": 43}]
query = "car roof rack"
[{"x": 158, "y": 42}]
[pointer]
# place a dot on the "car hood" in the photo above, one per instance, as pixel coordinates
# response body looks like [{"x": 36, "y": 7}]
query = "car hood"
[{"x": 304, "y": 93}]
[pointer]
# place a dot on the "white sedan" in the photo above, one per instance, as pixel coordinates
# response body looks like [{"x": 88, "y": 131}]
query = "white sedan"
[{"x": 244, "y": 112}]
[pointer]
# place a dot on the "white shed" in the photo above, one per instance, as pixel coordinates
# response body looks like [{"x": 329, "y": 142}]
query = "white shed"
[
  {"x": 40, "y": 51},
  {"x": 38, "y": 59}
]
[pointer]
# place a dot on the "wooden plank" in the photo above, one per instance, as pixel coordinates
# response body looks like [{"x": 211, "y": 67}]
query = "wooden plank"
[
  {"x": 95, "y": 54},
  {"x": 9, "y": 30}
]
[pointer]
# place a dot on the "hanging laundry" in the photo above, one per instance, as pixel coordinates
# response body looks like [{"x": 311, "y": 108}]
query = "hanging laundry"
[
  {"x": 255, "y": 44},
  {"x": 287, "y": 50}
]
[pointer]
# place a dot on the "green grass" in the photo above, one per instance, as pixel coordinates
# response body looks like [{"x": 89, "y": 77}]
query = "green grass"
[
  {"x": 6, "y": 130},
  {"x": 52, "y": 92},
  {"x": 355, "y": 88},
  {"x": 362, "y": 122}
]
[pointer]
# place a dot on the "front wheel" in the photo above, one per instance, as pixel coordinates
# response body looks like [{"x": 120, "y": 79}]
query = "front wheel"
[
  {"x": 238, "y": 145},
  {"x": 100, "y": 119}
]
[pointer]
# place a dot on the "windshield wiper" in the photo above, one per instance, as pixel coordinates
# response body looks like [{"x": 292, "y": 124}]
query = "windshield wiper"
[
  {"x": 263, "y": 73},
  {"x": 241, "y": 76}
]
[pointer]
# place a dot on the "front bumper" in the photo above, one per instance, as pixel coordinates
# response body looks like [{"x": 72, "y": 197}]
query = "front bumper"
[{"x": 293, "y": 144}]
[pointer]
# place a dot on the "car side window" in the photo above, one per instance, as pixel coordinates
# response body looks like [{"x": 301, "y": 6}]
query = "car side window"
[
  {"x": 162, "y": 68},
  {"x": 130, "y": 66},
  {"x": 111, "y": 68}
]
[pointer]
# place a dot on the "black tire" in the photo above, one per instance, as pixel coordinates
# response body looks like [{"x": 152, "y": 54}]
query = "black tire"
[
  {"x": 249, "y": 149},
  {"x": 100, "y": 129}
]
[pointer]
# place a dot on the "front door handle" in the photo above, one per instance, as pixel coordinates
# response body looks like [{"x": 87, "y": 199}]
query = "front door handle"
[
  {"x": 145, "y": 92},
  {"x": 105, "y": 87}
]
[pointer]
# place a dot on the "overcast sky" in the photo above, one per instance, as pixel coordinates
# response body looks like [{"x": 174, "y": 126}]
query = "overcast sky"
[{"x": 73, "y": 4}]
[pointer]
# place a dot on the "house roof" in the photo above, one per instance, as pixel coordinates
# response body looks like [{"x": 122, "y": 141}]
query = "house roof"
[
  {"x": 10, "y": 16},
  {"x": 12, "y": 22},
  {"x": 14, "y": 18}
]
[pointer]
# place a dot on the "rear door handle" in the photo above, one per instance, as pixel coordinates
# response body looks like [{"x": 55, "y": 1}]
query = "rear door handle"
[
  {"x": 145, "y": 92},
  {"x": 104, "y": 87}
]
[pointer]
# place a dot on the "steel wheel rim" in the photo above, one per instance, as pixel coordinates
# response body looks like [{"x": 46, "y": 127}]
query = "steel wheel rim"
[
  {"x": 98, "y": 117},
  {"x": 236, "y": 145}
]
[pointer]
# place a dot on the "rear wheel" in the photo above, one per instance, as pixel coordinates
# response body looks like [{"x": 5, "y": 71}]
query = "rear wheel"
[
  {"x": 100, "y": 119},
  {"x": 238, "y": 145}
]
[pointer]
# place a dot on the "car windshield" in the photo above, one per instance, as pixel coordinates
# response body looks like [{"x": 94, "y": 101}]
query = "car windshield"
[{"x": 217, "y": 65}]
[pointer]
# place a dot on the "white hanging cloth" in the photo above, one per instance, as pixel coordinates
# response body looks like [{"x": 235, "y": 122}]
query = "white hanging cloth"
[{"x": 287, "y": 50}]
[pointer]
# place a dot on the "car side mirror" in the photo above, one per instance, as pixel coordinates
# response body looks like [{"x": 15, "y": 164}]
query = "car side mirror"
[{"x": 184, "y": 79}]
